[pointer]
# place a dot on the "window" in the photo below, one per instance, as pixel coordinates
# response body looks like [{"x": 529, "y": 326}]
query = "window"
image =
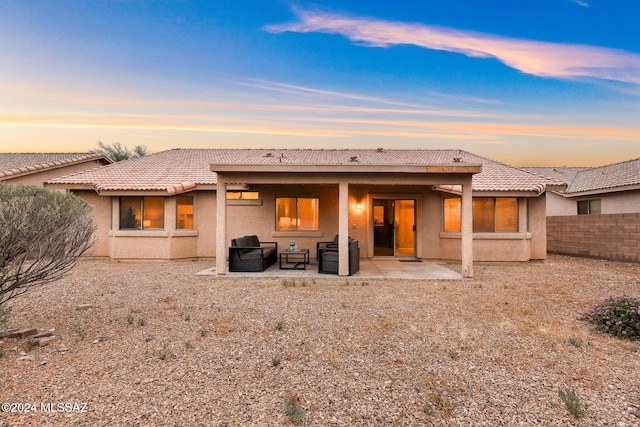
[
  {"x": 243, "y": 195},
  {"x": 141, "y": 213},
  {"x": 506, "y": 214},
  {"x": 184, "y": 213},
  {"x": 297, "y": 213},
  {"x": 490, "y": 214},
  {"x": 452, "y": 214},
  {"x": 589, "y": 207},
  {"x": 483, "y": 214}
]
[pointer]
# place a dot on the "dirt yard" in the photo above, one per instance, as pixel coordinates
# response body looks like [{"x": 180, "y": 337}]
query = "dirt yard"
[{"x": 160, "y": 346}]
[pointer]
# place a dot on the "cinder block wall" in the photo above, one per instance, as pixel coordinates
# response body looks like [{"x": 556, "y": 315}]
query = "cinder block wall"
[{"x": 612, "y": 236}]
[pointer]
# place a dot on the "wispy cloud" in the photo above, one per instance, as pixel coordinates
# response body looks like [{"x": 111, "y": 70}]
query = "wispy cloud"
[
  {"x": 581, "y": 3},
  {"x": 313, "y": 126},
  {"x": 545, "y": 59}
]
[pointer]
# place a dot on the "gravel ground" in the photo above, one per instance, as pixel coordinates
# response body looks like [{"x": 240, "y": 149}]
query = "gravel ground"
[{"x": 161, "y": 346}]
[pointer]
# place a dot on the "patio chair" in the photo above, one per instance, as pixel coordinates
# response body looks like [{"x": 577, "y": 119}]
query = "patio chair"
[
  {"x": 328, "y": 258},
  {"x": 248, "y": 254},
  {"x": 325, "y": 245}
]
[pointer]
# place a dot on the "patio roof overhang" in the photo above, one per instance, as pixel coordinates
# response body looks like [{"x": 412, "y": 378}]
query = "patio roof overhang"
[
  {"x": 344, "y": 175},
  {"x": 454, "y": 168}
]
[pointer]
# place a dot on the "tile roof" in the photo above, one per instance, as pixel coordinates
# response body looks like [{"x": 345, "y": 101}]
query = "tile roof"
[
  {"x": 181, "y": 169},
  {"x": 602, "y": 178},
  {"x": 16, "y": 164}
]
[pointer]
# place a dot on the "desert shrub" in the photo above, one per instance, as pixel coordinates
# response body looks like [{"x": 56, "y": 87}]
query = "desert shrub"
[
  {"x": 294, "y": 409},
  {"x": 572, "y": 402},
  {"x": 165, "y": 351},
  {"x": 617, "y": 316},
  {"x": 43, "y": 233},
  {"x": 5, "y": 315}
]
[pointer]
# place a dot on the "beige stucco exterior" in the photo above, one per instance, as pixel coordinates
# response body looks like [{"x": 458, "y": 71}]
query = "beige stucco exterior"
[
  {"x": 168, "y": 243},
  {"x": 257, "y": 217},
  {"x": 618, "y": 202},
  {"x": 345, "y": 185}
]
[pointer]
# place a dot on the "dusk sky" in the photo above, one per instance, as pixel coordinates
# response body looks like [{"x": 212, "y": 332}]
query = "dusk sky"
[{"x": 530, "y": 83}]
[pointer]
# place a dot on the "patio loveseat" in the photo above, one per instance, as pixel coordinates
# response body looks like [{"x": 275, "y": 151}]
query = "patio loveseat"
[
  {"x": 328, "y": 258},
  {"x": 248, "y": 254}
]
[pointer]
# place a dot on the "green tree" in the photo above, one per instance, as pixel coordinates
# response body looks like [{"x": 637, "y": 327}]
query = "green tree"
[
  {"x": 118, "y": 152},
  {"x": 43, "y": 233}
]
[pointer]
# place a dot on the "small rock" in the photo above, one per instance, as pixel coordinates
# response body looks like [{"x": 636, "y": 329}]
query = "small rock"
[
  {"x": 24, "y": 359},
  {"x": 43, "y": 334},
  {"x": 84, "y": 306},
  {"x": 62, "y": 349},
  {"x": 22, "y": 353},
  {"x": 47, "y": 340},
  {"x": 22, "y": 333},
  {"x": 8, "y": 333},
  {"x": 44, "y": 362},
  {"x": 634, "y": 413}
]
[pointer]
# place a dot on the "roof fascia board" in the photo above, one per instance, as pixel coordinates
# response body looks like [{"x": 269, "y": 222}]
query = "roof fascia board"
[
  {"x": 336, "y": 178},
  {"x": 476, "y": 193},
  {"x": 60, "y": 186},
  {"x": 348, "y": 168},
  {"x": 601, "y": 191},
  {"x": 134, "y": 193},
  {"x": 506, "y": 193}
]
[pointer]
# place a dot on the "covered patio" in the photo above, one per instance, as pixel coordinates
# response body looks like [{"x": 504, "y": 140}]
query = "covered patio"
[
  {"x": 373, "y": 268},
  {"x": 355, "y": 182}
]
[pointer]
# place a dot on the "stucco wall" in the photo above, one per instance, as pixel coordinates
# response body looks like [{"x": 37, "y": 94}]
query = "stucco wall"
[
  {"x": 528, "y": 243},
  {"x": 258, "y": 217},
  {"x": 153, "y": 244},
  {"x": 102, "y": 216},
  {"x": 489, "y": 246},
  {"x": 204, "y": 220},
  {"x": 537, "y": 226},
  {"x": 609, "y": 236},
  {"x": 611, "y": 203}
]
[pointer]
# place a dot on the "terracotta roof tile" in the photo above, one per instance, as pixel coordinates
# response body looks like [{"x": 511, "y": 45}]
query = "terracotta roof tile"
[
  {"x": 16, "y": 164},
  {"x": 608, "y": 177},
  {"x": 168, "y": 170}
]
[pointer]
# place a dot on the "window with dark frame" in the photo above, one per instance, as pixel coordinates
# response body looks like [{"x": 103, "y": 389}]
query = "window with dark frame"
[
  {"x": 490, "y": 214},
  {"x": 141, "y": 213},
  {"x": 184, "y": 213},
  {"x": 589, "y": 207},
  {"x": 297, "y": 213}
]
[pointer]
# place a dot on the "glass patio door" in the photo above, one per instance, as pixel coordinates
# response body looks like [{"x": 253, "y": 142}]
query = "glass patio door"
[{"x": 394, "y": 231}]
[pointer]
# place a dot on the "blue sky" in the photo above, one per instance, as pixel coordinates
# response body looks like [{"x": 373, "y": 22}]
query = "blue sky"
[{"x": 546, "y": 82}]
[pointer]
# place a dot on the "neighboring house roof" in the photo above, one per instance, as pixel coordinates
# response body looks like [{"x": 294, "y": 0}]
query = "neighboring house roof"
[
  {"x": 13, "y": 165},
  {"x": 615, "y": 177},
  {"x": 180, "y": 170}
]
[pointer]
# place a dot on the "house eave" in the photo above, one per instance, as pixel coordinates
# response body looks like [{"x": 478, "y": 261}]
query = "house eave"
[
  {"x": 348, "y": 168},
  {"x": 599, "y": 191}
]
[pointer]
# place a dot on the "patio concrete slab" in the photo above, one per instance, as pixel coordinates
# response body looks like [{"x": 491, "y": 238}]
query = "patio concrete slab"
[{"x": 375, "y": 268}]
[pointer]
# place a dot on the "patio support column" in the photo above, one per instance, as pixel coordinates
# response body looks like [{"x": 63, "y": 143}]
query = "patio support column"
[
  {"x": 221, "y": 226},
  {"x": 466, "y": 229},
  {"x": 343, "y": 229}
]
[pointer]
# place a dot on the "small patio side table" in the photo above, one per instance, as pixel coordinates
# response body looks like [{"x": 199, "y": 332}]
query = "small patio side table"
[{"x": 296, "y": 259}]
